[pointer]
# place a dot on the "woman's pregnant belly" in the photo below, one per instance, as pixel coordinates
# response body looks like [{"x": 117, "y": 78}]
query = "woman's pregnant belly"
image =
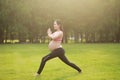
[{"x": 54, "y": 45}]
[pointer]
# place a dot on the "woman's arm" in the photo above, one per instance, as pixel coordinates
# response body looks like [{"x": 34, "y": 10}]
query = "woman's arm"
[{"x": 49, "y": 32}]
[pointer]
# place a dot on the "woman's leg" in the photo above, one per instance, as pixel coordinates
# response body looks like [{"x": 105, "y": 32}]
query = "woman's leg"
[
  {"x": 65, "y": 60},
  {"x": 44, "y": 60}
]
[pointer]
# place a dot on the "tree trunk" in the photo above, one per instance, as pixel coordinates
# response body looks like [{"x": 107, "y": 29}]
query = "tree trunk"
[
  {"x": 65, "y": 40},
  {"x": 76, "y": 35},
  {"x": 118, "y": 36},
  {"x": 93, "y": 37},
  {"x": 22, "y": 38},
  {"x": 81, "y": 36},
  {"x": 1, "y": 36},
  {"x": 86, "y": 37}
]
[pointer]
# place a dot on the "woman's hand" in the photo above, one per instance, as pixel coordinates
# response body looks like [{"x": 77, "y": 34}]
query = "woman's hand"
[{"x": 49, "y": 31}]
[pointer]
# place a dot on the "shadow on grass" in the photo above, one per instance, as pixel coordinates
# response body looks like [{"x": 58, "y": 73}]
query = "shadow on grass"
[{"x": 63, "y": 77}]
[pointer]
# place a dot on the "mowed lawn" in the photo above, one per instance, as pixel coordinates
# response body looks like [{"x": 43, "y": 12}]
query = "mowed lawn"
[{"x": 98, "y": 62}]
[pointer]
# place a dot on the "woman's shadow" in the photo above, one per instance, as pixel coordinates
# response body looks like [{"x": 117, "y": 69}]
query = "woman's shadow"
[{"x": 63, "y": 77}]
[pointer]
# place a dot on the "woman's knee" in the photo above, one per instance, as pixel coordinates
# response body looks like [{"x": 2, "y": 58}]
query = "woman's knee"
[{"x": 44, "y": 59}]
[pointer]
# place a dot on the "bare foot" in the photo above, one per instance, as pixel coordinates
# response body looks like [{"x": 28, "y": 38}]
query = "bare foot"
[{"x": 36, "y": 74}]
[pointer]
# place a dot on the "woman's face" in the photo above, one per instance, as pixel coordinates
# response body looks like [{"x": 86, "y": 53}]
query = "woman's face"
[{"x": 56, "y": 26}]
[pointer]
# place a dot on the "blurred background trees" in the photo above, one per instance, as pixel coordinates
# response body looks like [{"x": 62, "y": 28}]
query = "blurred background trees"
[{"x": 88, "y": 21}]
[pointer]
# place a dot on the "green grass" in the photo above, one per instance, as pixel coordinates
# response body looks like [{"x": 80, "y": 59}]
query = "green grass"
[{"x": 98, "y": 62}]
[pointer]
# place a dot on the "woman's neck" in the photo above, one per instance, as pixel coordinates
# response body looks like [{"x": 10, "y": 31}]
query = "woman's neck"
[{"x": 58, "y": 30}]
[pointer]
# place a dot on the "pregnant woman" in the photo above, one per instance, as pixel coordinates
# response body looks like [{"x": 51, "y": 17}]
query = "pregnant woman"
[{"x": 56, "y": 48}]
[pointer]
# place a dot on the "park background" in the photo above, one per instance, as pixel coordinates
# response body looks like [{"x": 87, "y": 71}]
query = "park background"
[
  {"x": 26, "y": 21},
  {"x": 91, "y": 39}
]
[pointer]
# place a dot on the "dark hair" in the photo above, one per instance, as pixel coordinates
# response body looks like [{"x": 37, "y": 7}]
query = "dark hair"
[{"x": 58, "y": 21}]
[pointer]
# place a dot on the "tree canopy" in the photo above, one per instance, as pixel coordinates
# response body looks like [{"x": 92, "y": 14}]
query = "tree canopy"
[{"x": 83, "y": 20}]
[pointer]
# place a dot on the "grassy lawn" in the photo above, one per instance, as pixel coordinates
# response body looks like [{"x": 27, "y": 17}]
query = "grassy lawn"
[{"x": 98, "y": 62}]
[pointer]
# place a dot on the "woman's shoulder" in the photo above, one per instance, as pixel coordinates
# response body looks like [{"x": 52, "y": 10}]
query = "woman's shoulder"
[{"x": 60, "y": 32}]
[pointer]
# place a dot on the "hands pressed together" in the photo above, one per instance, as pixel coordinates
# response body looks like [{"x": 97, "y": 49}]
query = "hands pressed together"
[{"x": 49, "y": 31}]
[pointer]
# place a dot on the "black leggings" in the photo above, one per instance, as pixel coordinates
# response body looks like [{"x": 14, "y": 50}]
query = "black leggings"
[{"x": 57, "y": 53}]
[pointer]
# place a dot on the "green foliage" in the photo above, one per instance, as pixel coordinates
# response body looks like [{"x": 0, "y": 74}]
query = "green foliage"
[{"x": 93, "y": 19}]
